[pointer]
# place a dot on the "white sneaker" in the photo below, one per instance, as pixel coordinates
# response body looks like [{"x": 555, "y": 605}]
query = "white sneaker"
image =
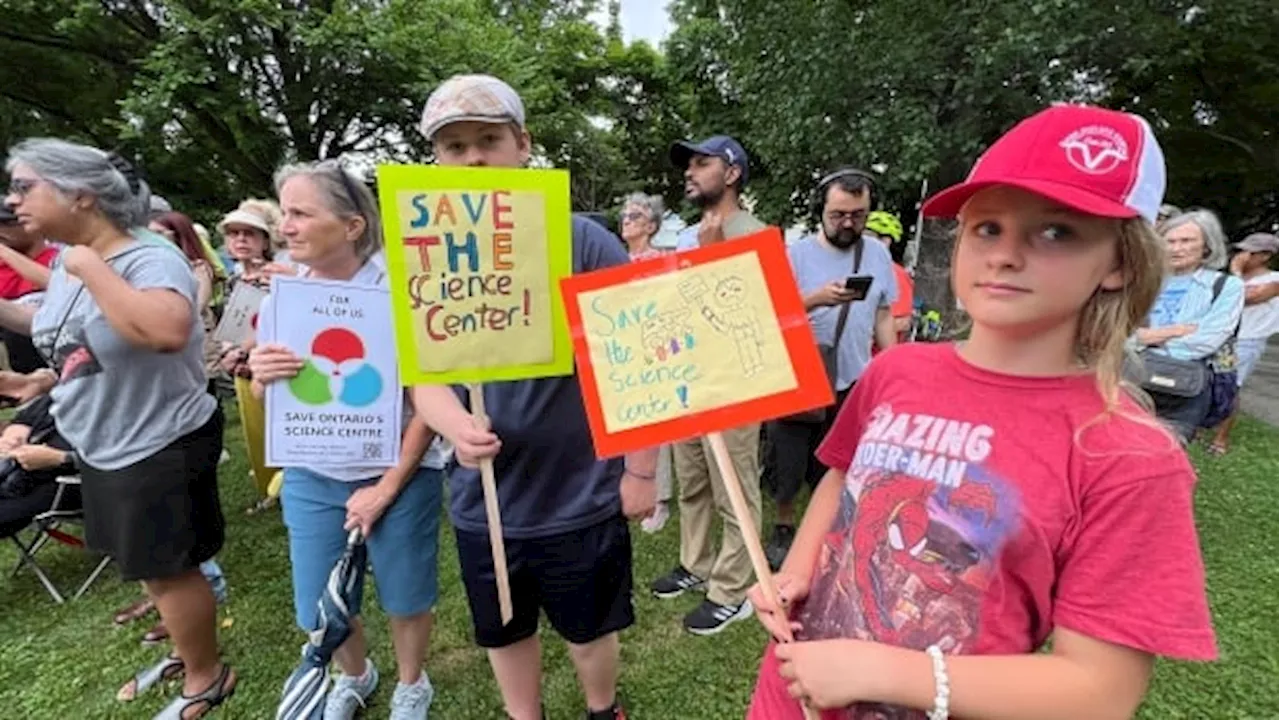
[
  {"x": 411, "y": 702},
  {"x": 350, "y": 694}
]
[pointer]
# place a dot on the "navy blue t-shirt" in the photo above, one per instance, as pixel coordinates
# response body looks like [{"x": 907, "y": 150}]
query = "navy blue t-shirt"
[{"x": 549, "y": 480}]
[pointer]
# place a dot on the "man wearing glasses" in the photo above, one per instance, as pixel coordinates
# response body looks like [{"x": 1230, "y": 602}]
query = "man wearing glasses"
[{"x": 848, "y": 286}]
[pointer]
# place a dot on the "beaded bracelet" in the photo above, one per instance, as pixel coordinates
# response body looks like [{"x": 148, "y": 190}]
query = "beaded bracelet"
[{"x": 942, "y": 685}]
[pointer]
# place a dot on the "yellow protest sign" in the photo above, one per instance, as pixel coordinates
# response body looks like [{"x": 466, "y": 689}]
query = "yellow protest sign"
[{"x": 475, "y": 256}]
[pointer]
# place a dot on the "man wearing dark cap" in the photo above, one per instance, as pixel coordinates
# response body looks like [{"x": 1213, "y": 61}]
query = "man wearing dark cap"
[
  {"x": 563, "y": 511},
  {"x": 1260, "y": 318},
  {"x": 24, "y": 273},
  {"x": 714, "y": 173}
]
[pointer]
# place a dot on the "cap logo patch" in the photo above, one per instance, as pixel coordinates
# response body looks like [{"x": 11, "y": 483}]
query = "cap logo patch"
[{"x": 1095, "y": 149}]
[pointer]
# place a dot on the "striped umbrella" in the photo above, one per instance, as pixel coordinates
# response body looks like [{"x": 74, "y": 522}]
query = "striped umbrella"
[{"x": 308, "y": 685}]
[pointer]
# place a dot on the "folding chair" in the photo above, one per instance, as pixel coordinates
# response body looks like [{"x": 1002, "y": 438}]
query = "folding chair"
[{"x": 62, "y": 511}]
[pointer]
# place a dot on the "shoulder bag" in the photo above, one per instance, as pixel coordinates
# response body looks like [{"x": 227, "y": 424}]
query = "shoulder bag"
[{"x": 831, "y": 353}]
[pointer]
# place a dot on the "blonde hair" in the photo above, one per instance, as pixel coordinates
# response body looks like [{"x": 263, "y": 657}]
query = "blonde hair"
[{"x": 1110, "y": 317}]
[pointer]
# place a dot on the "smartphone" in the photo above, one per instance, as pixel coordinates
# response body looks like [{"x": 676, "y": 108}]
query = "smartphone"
[{"x": 859, "y": 285}]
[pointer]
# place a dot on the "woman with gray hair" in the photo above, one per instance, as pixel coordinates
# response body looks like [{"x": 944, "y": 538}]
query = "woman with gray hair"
[
  {"x": 331, "y": 226},
  {"x": 1195, "y": 315},
  {"x": 120, "y": 325},
  {"x": 641, "y": 220}
]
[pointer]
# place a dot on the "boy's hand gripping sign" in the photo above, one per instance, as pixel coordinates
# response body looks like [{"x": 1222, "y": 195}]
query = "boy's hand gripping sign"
[
  {"x": 692, "y": 344},
  {"x": 475, "y": 257}
]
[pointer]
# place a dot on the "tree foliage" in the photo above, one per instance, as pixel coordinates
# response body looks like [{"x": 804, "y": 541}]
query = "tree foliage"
[
  {"x": 212, "y": 95},
  {"x": 921, "y": 87}
]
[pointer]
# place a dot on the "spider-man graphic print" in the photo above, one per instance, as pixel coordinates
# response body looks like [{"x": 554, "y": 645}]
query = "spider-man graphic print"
[{"x": 916, "y": 541}]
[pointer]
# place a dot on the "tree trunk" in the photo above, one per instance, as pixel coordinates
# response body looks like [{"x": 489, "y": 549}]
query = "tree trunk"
[{"x": 933, "y": 274}]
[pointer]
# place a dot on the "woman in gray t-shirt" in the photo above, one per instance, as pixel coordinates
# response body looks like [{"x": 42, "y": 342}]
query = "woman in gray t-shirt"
[{"x": 121, "y": 327}]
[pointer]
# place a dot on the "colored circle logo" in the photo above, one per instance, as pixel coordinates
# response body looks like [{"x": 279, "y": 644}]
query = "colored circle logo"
[{"x": 337, "y": 371}]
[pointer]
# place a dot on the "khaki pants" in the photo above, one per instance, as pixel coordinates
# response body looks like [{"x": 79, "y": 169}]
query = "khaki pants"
[
  {"x": 702, "y": 496},
  {"x": 665, "y": 471}
]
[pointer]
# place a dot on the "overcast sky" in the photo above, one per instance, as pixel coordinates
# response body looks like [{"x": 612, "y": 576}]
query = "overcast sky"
[{"x": 642, "y": 20}]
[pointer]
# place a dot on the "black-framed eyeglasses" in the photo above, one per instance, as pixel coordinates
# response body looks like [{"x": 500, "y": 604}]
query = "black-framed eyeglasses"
[
  {"x": 634, "y": 215},
  {"x": 22, "y": 186},
  {"x": 839, "y": 216}
]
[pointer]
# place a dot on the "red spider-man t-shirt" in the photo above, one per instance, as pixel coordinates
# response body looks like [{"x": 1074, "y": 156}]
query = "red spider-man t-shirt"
[{"x": 980, "y": 511}]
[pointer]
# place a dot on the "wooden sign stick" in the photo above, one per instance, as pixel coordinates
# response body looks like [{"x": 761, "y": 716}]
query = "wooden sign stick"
[
  {"x": 492, "y": 514},
  {"x": 750, "y": 536}
]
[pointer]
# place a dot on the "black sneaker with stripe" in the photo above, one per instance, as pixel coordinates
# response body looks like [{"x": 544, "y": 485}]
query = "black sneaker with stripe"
[
  {"x": 710, "y": 618},
  {"x": 675, "y": 583}
]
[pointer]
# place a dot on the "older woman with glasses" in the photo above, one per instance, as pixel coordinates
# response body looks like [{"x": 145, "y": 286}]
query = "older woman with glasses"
[
  {"x": 332, "y": 227},
  {"x": 120, "y": 324},
  {"x": 641, "y": 220}
]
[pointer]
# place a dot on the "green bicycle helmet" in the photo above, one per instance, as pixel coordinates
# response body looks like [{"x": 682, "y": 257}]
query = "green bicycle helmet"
[{"x": 885, "y": 223}]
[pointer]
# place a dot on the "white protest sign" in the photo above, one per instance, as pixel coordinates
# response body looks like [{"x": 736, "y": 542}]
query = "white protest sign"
[
  {"x": 240, "y": 317},
  {"x": 344, "y": 407}
]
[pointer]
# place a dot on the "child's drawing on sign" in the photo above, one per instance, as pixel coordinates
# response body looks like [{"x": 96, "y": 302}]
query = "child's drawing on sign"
[
  {"x": 732, "y": 317},
  {"x": 670, "y": 343},
  {"x": 665, "y": 335}
]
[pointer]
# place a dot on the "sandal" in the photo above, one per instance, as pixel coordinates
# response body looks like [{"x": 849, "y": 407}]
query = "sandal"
[
  {"x": 156, "y": 635},
  {"x": 262, "y": 505},
  {"x": 135, "y": 611},
  {"x": 216, "y": 694},
  {"x": 168, "y": 668},
  {"x": 1217, "y": 449}
]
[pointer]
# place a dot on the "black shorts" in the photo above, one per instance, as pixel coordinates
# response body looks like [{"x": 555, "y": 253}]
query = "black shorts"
[
  {"x": 160, "y": 516},
  {"x": 581, "y": 579},
  {"x": 792, "y": 447}
]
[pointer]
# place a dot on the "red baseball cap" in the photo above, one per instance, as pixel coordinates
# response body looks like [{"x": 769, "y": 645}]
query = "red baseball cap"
[{"x": 1097, "y": 161}]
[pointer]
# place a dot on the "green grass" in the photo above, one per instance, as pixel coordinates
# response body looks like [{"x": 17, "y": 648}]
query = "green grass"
[{"x": 68, "y": 661}]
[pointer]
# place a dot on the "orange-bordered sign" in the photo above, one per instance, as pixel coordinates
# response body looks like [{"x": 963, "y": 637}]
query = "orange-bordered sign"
[{"x": 692, "y": 343}]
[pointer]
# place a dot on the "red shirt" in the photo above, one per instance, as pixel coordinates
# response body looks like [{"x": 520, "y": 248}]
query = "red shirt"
[
  {"x": 904, "y": 306},
  {"x": 14, "y": 286},
  {"x": 981, "y": 511}
]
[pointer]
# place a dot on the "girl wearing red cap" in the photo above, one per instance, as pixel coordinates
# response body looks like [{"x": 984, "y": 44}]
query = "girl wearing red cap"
[{"x": 988, "y": 497}]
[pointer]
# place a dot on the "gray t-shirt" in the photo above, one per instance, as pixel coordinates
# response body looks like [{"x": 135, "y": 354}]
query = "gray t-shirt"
[
  {"x": 117, "y": 403},
  {"x": 549, "y": 480},
  {"x": 817, "y": 263},
  {"x": 736, "y": 225}
]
